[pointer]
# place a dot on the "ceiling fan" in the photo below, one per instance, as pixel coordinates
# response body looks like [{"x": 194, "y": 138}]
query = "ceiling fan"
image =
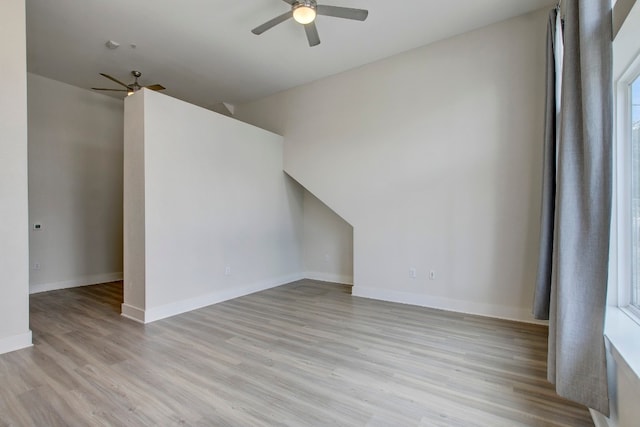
[
  {"x": 129, "y": 88},
  {"x": 304, "y": 12}
]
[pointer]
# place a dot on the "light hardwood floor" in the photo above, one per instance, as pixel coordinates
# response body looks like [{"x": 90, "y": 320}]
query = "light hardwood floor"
[{"x": 306, "y": 353}]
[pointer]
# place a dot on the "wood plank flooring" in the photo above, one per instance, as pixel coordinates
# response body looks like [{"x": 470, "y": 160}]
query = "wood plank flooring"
[{"x": 303, "y": 354}]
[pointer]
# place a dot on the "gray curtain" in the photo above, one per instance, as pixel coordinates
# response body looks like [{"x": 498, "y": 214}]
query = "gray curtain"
[
  {"x": 547, "y": 214},
  {"x": 573, "y": 269}
]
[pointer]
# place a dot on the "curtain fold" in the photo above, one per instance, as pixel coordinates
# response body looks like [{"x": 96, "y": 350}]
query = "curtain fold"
[
  {"x": 573, "y": 269},
  {"x": 547, "y": 213}
]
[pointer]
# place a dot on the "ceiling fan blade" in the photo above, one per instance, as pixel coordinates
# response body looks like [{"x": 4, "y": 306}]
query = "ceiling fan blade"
[
  {"x": 312, "y": 34},
  {"x": 112, "y": 90},
  {"x": 155, "y": 87},
  {"x": 114, "y": 80},
  {"x": 291, "y": 2},
  {"x": 343, "y": 12},
  {"x": 272, "y": 23}
]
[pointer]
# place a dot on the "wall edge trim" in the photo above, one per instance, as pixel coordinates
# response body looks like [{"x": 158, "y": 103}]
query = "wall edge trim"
[
  {"x": 172, "y": 309},
  {"x": 15, "y": 342},
  {"x": 448, "y": 304},
  {"x": 599, "y": 420},
  {"x": 93, "y": 279},
  {"x": 329, "y": 277},
  {"x": 131, "y": 312}
]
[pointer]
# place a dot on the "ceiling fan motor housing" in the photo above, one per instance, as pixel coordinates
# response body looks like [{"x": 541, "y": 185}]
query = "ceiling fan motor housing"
[
  {"x": 305, "y": 3},
  {"x": 135, "y": 86}
]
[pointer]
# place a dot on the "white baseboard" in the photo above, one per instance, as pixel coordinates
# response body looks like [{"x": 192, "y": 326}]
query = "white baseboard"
[
  {"x": 74, "y": 283},
  {"x": 131, "y": 312},
  {"x": 447, "y": 304},
  {"x": 599, "y": 420},
  {"x": 328, "y": 277},
  {"x": 161, "y": 312},
  {"x": 15, "y": 342}
]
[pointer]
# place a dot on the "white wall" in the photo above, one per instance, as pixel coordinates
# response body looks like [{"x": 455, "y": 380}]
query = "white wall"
[
  {"x": 75, "y": 185},
  {"x": 625, "y": 395},
  {"x": 134, "y": 209},
  {"x": 14, "y": 250},
  {"x": 328, "y": 243},
  {"x": 215, "y": 196},
  {"x": 620, "y": 13},
  {"x": 434, "y": 157}
]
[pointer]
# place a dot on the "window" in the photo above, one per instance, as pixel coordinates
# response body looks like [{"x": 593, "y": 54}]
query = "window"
[
  {"x": 622, "y": 328},
  {"x": 634, "y": 123},
  {"x": 627, "y": 166}
]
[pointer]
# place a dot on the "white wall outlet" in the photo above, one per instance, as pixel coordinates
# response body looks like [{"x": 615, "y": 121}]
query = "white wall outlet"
[
  {"x": 37, "y": 226},
  {"x": 432, "y": 275},
  {"x": 413, "y": 273},
  {"x": 227, "y": 270},
  {"x": 326, "y": 258},
  {"x": 36, "y": 266}
]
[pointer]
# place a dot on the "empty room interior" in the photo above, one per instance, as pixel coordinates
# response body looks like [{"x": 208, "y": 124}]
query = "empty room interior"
[{"x": 332, "y": 212}]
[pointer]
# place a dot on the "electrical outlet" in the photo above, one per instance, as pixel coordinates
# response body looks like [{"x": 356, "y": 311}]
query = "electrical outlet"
[
  {"x": 432, "y": 275},
  {"x": 413, "y": 273},
  {"x": 227, "y": 271},
  {"x": 36, "y": 266},
  {"x": 326, "y": 258}
]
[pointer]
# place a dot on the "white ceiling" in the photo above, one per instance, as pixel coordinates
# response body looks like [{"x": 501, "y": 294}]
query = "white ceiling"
[{"x": 203, "y": 51}]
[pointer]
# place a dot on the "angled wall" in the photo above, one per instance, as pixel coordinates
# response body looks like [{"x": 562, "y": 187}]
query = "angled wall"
[
  {"x": 14, "y": 243},
  {"x": 209, "y": 213},
  {"x": 434, "y": 157},
  {"x": 328, "y": 243}
]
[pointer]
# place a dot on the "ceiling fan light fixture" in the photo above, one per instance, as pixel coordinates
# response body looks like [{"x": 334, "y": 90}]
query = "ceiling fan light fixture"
[{"x": 304, "y": 13}]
